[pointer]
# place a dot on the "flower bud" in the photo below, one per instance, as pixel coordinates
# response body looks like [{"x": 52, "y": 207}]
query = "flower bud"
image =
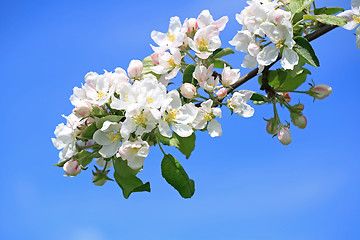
[
  {"x": 135, "y": 69},
  {"x": 188, "y": 90},
  {"x": 271, "y": 126},
  {"x": 72, "y": 168},
  {"x": 155, "y": 58},
  {"x": 298, "y": 120},
  {"x": 321, "y": 91},
  {"x": 82, "y": 111},
  {"x": 192, "y": 25},
  {"x": 286, "y": 96},
  {"x": 284, "y": 135},
  {"x": 299, "y": 107},
  {"x": 100, "y": 177},
  {"x": 221, "y": 93}
]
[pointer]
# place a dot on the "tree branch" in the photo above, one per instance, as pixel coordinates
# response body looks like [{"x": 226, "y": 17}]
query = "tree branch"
[{"x": 321, "y": 31}]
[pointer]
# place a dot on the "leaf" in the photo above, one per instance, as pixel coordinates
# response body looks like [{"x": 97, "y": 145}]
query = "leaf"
[
  {"x": 328, "y": 10},
  {"x": 89, "y": 131},
  {"x": 222, "y": 52},
  {"x": 327, "y": 19},
  {"x": 111, "y": 118},
  {"x": 188, "y": 75},
  {"x": 219, "y": 63},
  {"x": 186, "y": 144},
  {"x": 304, "y": 49},
  {"x": 147, "y": 64},
  {"x": 258, "y": 97},
  {"x": 292, "y": 83},
  {"x": 127, "y": 180},
  {"x": 173, "y": 141},
  {"x": 176, "y": 176},
  {"x": 297, "y": 6},
  {"x": 84, "y": 157}
]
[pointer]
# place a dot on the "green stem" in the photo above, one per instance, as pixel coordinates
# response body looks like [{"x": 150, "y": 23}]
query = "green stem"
[
  {"x": 160, "y": 145},
  {"x": 188, "y": 53},
  {"x": 306, "y": 92}
]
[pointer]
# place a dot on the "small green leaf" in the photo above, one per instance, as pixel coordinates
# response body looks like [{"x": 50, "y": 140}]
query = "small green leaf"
[
  {"x": 219, "y": 63},
  {"x": 297, "y": 6},
  {"x": 89, "y": 131},
  {"x": 258, "y": 97},
  {"x": 186, "y": 144},
  {"x": 327, "y": 19},
  {"x": 304, "y": 49},
  {"x": 188, "y": 75},
  {"x": 127, "y": 180},
  {"x": 147, "y": 64},
  {"x": 111, "y": 118},
  {"x": 176, "y": 176},
  {"x": 292, "y": 83},
  {"x": 222, "y": 52},
  {"x": 328, "y": 10}
]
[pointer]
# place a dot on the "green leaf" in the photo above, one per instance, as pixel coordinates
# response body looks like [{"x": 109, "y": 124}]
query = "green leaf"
[
  {"x": 258, "y": 97},
  {"x": 328, "y": 10},
  {"x": 127, "y": 180},
  {"x": 176, "y": 176},
  {"x": 188, "y": 75},
  {"x": 147, "y": 64},
  {"x": 89, "y": 131},
  {"x": 222, "y": 52},
  {"x": 327, "y": 19},
  {"x": 85, "y": 157},
  {"x": 111, "y": 118},
  {"x": 297, "y": 6},
  {"x": 186, "y": 144},
  {"x": 292, "y": 83},
  {"x": 219, "y": 63},
  {"x": 304, "y": 49}
]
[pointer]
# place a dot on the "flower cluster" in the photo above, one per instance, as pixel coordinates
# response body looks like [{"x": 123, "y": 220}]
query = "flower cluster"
[{"x": 263, "y": 19}]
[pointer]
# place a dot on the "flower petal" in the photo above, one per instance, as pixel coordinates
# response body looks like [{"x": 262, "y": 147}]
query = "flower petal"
[{"x": 214, "y": 128}]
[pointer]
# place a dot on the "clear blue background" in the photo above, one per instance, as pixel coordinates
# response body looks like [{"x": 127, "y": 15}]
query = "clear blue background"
[{"x": 248, "y": 186}]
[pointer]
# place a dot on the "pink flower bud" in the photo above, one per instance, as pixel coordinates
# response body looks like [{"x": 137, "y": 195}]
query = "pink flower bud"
[
  {"x": 72, "y": 168},
  {"x": 82, "y": 111},
  {"x": 155, "y": 58},
  {"x": 286, "y": 96},
  {"x": 192, "y": 25},
  {"x": 321, "y": 91},
  {"x": 221, "y": 93},
  {"x": 188, "y": 90},
  {"x": 299, "y": 120},
  {"x": 284, "y": 135},
  {"x": 135, "y": 69},
  {"x": 271, "y": 126}
]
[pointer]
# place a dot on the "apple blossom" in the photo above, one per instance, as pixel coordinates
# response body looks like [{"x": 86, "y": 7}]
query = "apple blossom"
[
  {"x": 205, "y": 19},
  {"x": 238, "y": 103},
  {"x": 188, "y": 90},
  {"x": 221, "y": 93},
  {"x": 205, "y": 42},
  {"x": 72, "y": 168},
  {"x": 229, "y": 76},
  {"x": 109, "y": 138},
  {"x": 284, "y": 135},
  {"x": 134, "y": 152},
  {"x": 320, "y": 91},
  {"x": 169, "y": 64},
  {"x": 206, "y": 115},
  {"x": 135, "y": 69},
  {"x": 298, "y": 120}
]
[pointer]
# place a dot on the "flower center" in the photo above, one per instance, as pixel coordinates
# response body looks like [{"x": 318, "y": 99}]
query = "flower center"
[
  {"x": 149, "y": 99},
  {"x": 172, "y": 37},
  {"x": 279, "y": 44},
  {"x": 203, "y": 45},
  {"x": 357, "y": 18},
  {"x": 171, "y": 62},
  {"x": 126, "y": 98},
  {"x": 140, "y": 119},
  {"x": 171, "y": 115},
  {"x": 208, "y": 117},
  {"x": 100, "y": 94},
  {"x": 134, "y": 150},
  {"x": 114, "y": 137}
]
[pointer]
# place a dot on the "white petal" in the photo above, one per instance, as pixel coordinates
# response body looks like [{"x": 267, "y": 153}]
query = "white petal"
[
  {"x": 249, "y": 62},
  {"x": 351, "y": 24},
  {"x": 214, "y": 128},
  {"x": 182, "y": 130},
  {"x": 109, "y": 150},
  {"x": 289, "y": 59},
  {"x": 101, "y": 138},
  {"x": 355, "y": 6},
  {"x": 216, "y": 112},
  {"x": 136, "y": 162},
  {"x": 267, "y": 56},
  {"x": 164, "y": 129},
  {"x": 244, "y": 110}
]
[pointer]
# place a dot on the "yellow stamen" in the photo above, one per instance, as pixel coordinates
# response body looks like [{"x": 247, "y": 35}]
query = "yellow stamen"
[
  {"x": 357, "y": 18},
  {"x": 134, "y": 150},
  {"x": 171, "y": 115},
  {"x": 171, "y": 62},
  {"x": 208, "y": 117},
  {"x": 149, "y": 99},
  {"x": 140, "y": 119},
  {"x": 114, "y": 137},
  {"x": 279, "y": 44},
  {"x": 171, "y": 37},
  {"x": 126, "y": 98},
  {"x": 100, "y": 94},
  {"x": 203, "y": 45}
]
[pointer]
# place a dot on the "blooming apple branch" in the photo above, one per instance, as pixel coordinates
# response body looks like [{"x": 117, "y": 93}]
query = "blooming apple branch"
[{"x": 118, "y": 116}]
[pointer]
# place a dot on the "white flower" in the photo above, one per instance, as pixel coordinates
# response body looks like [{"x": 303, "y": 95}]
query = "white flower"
[
  {"x": 205, "y": 78},
  {"x": 177, "y": 116},
  {"x": 169, "y": 64},
  {"x": 206, "y": 115},
  {"x": 172, "y": 39},
  {"x": 72, "y": 168},
  {"x": 134, "y": 152},
  {"x": 109, "y": 137},
  {"x": 188, "y": 90},
  {"x": 353, "y": 17},
  {"x": 127, "y": 96},
  {"x": 205, "y": 42},
  {"x": 238, "y": 103},
  {"x": 205, "y": 19},
  {"x": 229, "y": 76},
  {"x": 135, "y": 69}
]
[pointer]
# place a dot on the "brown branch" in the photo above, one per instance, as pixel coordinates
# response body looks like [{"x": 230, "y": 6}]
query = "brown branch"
[{"x": 321, "y": 31}]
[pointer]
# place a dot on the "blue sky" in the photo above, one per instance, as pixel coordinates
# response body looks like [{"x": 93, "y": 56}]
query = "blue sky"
[{"x": 248, "y": 186}]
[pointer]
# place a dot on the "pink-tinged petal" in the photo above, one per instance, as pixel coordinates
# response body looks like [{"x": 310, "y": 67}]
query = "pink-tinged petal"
[
  {"x": 173, "y": 73},
  {"x": 221, "y": 23},
  {"x": 203, "y": 55},
  {"x": 204, "y": 19}
]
